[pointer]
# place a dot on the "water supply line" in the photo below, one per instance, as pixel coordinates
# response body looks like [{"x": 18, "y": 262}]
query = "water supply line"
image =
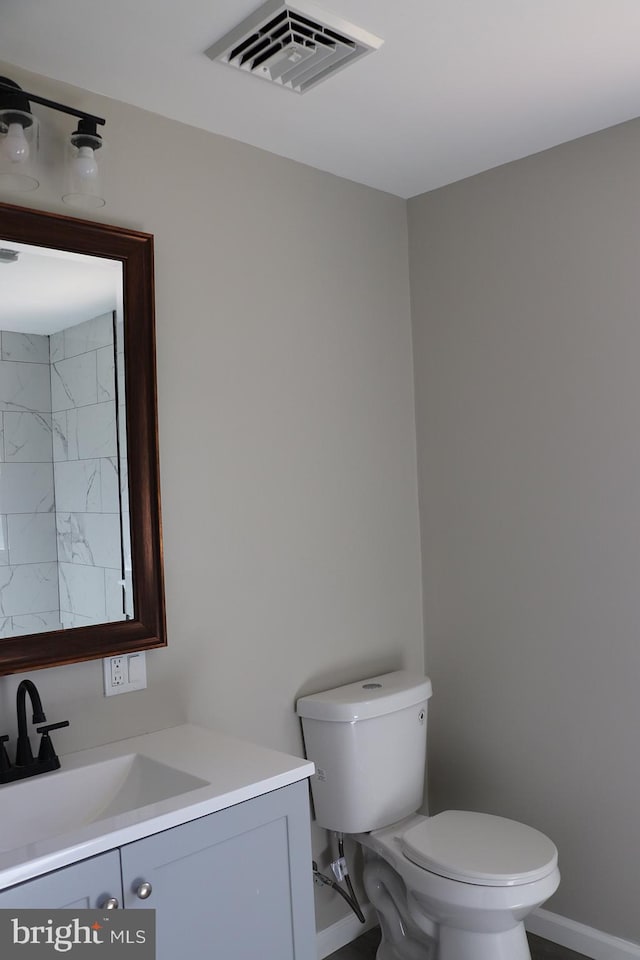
[
  {"x": 347, "y": 879},
  {"x": 340, "y": 872}
]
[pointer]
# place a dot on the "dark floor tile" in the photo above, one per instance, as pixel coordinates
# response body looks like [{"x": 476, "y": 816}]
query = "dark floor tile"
[
  {"x": 364, "y": 948},
  {"x": 545, "y": 950}
]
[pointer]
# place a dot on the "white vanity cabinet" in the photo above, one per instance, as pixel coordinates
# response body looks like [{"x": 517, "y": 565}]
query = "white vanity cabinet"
[{"x": 232, "y": 885}]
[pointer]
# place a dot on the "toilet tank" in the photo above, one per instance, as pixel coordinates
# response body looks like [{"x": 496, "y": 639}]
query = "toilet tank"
[{"x": 368, "y": 741}]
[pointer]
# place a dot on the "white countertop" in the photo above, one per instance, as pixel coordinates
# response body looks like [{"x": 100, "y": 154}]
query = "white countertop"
[{"x": 233, "y": 769}]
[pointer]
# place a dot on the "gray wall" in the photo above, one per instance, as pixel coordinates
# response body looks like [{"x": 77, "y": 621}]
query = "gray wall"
[
  {"x": 287, "y": 433},
  {"x": 526, "y": 297}
]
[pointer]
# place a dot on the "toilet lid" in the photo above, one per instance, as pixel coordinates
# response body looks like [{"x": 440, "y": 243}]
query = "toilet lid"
[{"x": 479, "y": 848}]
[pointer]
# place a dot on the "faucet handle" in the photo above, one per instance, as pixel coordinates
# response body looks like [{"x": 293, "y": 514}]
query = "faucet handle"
[
  {"x": 51, "y": 726},
  {"x": 5, "y": 763},
  {"x": 46, "y": 753}
]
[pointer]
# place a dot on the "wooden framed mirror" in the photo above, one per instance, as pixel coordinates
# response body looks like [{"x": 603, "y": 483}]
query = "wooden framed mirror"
[{"x": 86, "y": 526}]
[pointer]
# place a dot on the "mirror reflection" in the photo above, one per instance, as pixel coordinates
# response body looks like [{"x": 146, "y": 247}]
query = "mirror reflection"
[{"x": 65, "y": 546}]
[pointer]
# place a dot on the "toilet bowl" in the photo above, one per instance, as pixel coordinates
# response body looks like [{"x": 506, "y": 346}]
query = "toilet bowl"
[
  {"x": 466, "y": 883},
  {"x": 455, "y": 886}
]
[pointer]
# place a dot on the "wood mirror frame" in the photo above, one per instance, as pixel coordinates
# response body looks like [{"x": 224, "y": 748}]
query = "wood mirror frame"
[{"x": 147, "y": 630}]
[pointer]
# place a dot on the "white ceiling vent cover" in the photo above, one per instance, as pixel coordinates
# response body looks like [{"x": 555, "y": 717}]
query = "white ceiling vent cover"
[{"x": 294, "y": 45}]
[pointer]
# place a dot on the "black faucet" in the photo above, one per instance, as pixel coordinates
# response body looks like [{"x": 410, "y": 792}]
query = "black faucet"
[
  {"x": 25, "y": 765},
  {"x": 24, "y": 755}
]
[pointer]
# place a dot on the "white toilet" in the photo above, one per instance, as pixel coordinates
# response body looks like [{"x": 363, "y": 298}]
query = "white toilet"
[{"x": 456, "y": 886}]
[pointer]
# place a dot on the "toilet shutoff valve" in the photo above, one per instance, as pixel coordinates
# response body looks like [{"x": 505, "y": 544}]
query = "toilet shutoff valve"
[{"x": 339, "y": 868}]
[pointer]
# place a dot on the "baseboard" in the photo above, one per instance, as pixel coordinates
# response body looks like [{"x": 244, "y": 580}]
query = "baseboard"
[
  {"x": 567, "y": 933},
  {"x": 551, "y": 926},
  {"x": 577, "y": 936},
  {"x": 344, "y": 931}
]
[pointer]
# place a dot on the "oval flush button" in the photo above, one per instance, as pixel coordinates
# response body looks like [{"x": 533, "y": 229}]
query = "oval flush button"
[{"x": 372, "y": 686}]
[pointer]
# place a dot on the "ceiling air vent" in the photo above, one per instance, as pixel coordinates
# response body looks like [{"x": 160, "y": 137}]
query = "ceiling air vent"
[{"x": 294, "y": 45}]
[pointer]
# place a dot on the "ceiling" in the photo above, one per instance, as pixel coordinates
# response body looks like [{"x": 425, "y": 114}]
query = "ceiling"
[{"x": 458, "y": 86}]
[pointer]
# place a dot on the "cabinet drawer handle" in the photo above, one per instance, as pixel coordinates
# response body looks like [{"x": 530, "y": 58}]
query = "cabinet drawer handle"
[
  {"x": 111, "y": 903},
  {"x": 144, "y": 890}
]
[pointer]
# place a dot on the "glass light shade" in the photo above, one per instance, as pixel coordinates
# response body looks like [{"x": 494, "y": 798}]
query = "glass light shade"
[
  {"x": 84, "y": 172},
  {"x": 19, "y": 144}
]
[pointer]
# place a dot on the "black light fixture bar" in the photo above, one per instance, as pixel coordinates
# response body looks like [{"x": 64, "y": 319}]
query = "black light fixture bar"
[{"x": 52, "y": 104}]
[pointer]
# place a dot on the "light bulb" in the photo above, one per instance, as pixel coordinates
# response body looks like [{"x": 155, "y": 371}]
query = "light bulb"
[
  {"x": 84, "y": 164},
  {"x": 15, "y": 146}
]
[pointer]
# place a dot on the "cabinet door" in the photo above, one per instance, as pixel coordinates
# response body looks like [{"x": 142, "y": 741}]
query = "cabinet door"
[
  {"x": 235, "y": 885},
  {"x": 84, "y": 885}
]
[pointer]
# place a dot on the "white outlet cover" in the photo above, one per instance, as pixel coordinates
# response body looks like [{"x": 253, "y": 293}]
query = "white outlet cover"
[{"x": 134, "y": 673}]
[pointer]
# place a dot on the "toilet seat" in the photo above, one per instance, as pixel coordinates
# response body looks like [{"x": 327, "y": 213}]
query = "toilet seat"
[{"x": 480, "y": 849}]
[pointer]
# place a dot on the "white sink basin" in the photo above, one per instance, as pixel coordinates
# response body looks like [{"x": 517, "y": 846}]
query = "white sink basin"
[{"x": 55, "y": 803}]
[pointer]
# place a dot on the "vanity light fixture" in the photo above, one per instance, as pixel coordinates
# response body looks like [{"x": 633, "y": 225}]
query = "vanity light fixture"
[{"x": 19, "y": 143}]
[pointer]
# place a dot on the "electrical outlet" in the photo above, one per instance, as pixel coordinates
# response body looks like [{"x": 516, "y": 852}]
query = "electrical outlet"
[
  {"x": 124, "y": 673},
  {"x": 117, "y": 671}
]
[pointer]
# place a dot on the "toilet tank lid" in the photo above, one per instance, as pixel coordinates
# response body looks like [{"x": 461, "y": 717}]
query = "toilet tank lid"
[{"x": 366, "y": 698}]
